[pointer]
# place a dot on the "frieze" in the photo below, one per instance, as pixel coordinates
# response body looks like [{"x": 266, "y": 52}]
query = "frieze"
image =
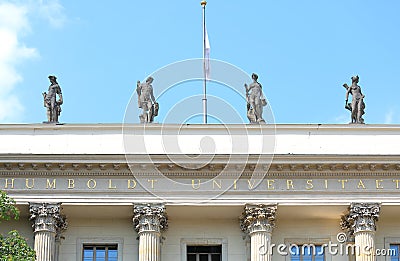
[
  {"x": 171, "y": 169},
  {"x": 70, "y": 184}
]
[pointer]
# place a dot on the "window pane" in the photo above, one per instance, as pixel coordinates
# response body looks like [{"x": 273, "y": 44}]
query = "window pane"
[
  {"x": 395, "y": 253},
  {"x": 204, "y": 253},
  {"x": 112, "y": 255},
  {"x": 203, "y": 257},
  {"x": 295, "y": 253},
  {"x": 307, "y": 252},
  {"x": 215, "y": 257},
  {"x": 100, "y": 254},
  {"x": 191, "y": 257},
  {"x": 319, "y": 253},
  {"x": 88, "y": 254},
  {"x": 215, "y": 249}
]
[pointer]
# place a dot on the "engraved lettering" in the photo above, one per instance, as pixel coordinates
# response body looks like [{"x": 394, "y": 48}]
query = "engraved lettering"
[
  {"x": 343, "y": 181},
  {"x": 110, "y": 185},
  {"x": 251, "y": 185},
  {"x": 31, "y": 186},
  {"x": 71, "y": 183},
  {"x": 309, "y": 185},
  {"x": 270, "y": 184},
  {"x": 397, "y": 182},
  {"x": 215, "y": 183},
  {"x": 193, "y": 185},
  {"x": 289, "y": 184},
  {"x": 361, "y": 184},
  {"x": 131, "y": 181},
  {"x": 378, "y": 184},
  {"x": 9, "y": 182},
  {"x": 152, "y": 182},
  {"x": 91, "y": 183},
  {"x": 51, "y": 185}
]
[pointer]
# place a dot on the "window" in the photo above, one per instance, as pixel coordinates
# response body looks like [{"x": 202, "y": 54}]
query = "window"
[
  {"x": 204, "y": 253},
  {"x": 394, "y": 254},
  {"x": 392, "y": 249},
  {"x": 307, "y": 252},
  {"x": 100, "y": 253}
]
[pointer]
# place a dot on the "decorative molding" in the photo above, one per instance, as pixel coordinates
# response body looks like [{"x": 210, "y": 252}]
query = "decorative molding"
[
  {"x": 47, "y": 217},
  {"x": 360, "y": 217},
  {"x": 149, "y": 218},
  {"x": 212, "y": 169},
  {"x": 61, "y": 226},
  {"x": 258, "y": 218}
]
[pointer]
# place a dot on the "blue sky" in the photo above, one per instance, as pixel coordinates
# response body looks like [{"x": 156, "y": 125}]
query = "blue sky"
[{"x": 303, "y": 51}]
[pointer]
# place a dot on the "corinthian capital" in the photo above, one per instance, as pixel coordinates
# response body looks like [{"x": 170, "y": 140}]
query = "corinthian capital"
[
  {"x": 257, "y": 218},
  {"x": 360, "y": 217},
  {"x": 149, "y": 217},
  {"x": 47, "y": 217}
]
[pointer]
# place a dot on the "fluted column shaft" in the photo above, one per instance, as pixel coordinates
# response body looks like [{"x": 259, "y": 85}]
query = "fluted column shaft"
[
  {"x": 260, "y": 242},
  {"x": 360, "y": 222},
  {"x": 47, "y": 223},
  {"x": 258, "y": 222},
  {"x": 149, "y": 220},
  {"x": 365, "y": 241},
  {"x": 149, "y": 246},
  {"x": 45, "y": 245}
]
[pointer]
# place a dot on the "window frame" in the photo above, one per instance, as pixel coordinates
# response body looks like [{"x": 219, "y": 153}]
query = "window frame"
[
  {"x": 204, "y": 242},
  {"x": 209, "y": 253},
  {"x": 100, "y": 241},
  {"x": 303, "y": 241},
  {"x": 390, "y": 241}
]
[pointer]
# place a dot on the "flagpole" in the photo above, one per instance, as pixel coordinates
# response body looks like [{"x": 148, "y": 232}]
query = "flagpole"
[{"x": 203, "y": 4}]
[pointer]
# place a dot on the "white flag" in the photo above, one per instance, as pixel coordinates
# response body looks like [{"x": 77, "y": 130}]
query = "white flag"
[{"x": 207, "y": 56}]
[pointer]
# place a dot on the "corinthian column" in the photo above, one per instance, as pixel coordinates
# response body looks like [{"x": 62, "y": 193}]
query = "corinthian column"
[
  {"x": 360, "y": 222},
  {"x": 47, "y": 222},
  {"x": 149, "y": 220},
  {"x": 258, "y": 221}
]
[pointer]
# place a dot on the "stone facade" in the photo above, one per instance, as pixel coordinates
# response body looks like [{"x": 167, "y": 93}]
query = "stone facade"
[{"x": 314, "y": 182}]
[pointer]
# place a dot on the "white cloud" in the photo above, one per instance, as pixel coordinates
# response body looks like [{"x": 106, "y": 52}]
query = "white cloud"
[
  {"x": 342, "y": 119},
  {"x": 389, "y": 117},
  {"x": 52, "y": 11},
  {"x": 13, "y": 23}
]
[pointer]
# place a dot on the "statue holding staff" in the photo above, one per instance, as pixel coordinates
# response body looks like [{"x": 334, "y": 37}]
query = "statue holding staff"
[{"x": 255, "y": 100}]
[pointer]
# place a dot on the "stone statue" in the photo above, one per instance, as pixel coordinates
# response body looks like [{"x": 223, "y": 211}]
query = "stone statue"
[
  {"x": 146, "y": 101},
  {"x": 357, "y": 104},
  {"x": 255, "y": 100},
  {"x": 50, "y": 100}
]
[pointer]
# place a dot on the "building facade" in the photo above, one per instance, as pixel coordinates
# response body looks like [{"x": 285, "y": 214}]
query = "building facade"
[{"x": 204, "y": 192}]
